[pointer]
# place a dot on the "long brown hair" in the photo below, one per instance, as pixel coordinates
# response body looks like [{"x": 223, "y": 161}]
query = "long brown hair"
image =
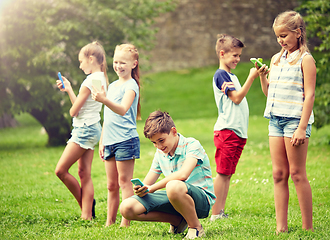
[
  {"x": 96, "y": 49},
  {"x": 292, "y": 21},
  {"x": 131, "y": 49}
]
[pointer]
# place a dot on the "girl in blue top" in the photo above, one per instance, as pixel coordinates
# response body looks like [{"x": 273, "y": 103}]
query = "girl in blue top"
[
  {"x": 120, "y": 144},
  {"x": 86, "y": 128},
  {"x": 290, "y": 91}
]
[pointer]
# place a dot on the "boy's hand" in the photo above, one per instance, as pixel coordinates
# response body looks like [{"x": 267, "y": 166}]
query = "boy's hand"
[
  {"x": 253, "y": 73},
  {"x": 99, "y": 96},
  {"x": 140, "y": 191}
]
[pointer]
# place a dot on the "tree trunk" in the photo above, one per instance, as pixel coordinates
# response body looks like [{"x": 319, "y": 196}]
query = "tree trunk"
[
  {"x": 55, "y": 124},
  {"x": 7, "y": 120}
]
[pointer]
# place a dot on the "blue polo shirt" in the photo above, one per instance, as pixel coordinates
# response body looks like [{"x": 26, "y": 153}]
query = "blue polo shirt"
[{"x": 200, "y": 177}]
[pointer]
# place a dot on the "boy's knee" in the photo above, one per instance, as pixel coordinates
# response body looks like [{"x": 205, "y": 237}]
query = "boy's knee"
[
  {"x": 127, "y": 209},
  {"x": 175, "y": 188}
]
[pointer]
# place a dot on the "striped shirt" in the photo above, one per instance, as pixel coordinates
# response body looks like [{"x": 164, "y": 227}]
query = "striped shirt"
[
  {"x": 201, "y": 176},
  {"x": 286, "y": 88}
]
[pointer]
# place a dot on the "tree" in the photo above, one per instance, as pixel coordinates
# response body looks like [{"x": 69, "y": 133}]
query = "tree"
[
  {"x": 38, "y": 38},
  {"x": 317, "y": 17}
]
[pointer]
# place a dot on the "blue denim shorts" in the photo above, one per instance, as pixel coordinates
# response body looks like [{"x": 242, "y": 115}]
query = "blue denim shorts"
[
  {"x": 285, "y": 127},
  {"x": 158, "y": 201},
  {"x": 127, "y": 150},
  {"x": 87, "y": 136}
]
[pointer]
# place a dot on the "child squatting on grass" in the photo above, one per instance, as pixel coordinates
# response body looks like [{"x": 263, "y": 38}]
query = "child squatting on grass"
[
  {"x": 188, "y": 181},
  {"x": 230, "y": 129},
  {"x": 119, "y": 145},
  {"x": 86, "y": 128},
  {"x": 290, "y": 91}
]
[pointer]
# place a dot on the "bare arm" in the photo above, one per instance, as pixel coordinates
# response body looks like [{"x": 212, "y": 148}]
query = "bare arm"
[
  {"x": 77, "y": 102},
  {"x": 121, "y": 108},
  {"x": 263, "y": 79},
  {"x": 309, "y": 73},
  {"x": 237, "y": 96},
  {"x": 182, "y": 174}
]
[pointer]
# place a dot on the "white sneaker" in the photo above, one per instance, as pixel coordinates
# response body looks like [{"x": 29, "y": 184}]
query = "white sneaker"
[
  {"x": 194, "y": 233},
  {"x": 221, "y": 215}
]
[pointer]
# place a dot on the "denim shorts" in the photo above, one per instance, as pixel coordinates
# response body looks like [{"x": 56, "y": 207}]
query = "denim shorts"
[
  {"x": 87, "y": 136},
  {"x": 127, "y": 150},
  {"x": 158, "y": 201},
  {"x": 285, "y": 127}
]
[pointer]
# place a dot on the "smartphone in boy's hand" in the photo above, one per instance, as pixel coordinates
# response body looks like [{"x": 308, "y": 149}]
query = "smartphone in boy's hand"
[{"x": 137, "y": 182}]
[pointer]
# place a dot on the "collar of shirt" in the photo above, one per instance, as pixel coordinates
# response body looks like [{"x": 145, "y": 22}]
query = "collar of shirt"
[
  {"x": 290, "y": 57},
  {"x": 179, "y": 148}
]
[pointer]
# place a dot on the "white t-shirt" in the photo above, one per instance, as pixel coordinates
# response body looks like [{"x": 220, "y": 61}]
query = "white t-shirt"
[{"x": 90, "y": 111}]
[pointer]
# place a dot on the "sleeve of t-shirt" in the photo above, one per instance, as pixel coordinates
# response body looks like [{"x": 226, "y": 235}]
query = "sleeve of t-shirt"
[
  {"x": 155, "y": 167},
  {"x": 133, "y": 86},
  {"x": 223, "y": 82},
  {"x": 195, "y": 150}
]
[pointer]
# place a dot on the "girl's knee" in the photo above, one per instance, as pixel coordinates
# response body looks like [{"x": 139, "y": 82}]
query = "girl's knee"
[
  {"x": 280, "y": 175},
  {"x": 112, "y": 186},
  {"x": 297, "y": 176},
  {"x": 60, "y": 173},
  {"x": 83, "y": 174}
]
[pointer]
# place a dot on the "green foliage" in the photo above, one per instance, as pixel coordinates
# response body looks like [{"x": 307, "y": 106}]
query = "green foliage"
[
  {"x": 41, "y": 37},
  {"x": 317, "y": 16}
]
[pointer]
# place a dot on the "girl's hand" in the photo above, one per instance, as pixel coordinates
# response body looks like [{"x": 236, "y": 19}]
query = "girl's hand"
[
  {"x": 67, "y": 84},
  {"x": 263, "y": 70},
  {"x": 140, "y": 191},
  {"x": 99, "y": 96},
  {"x": 101, "y": 152},
  {"x": 299, "y": 137}
]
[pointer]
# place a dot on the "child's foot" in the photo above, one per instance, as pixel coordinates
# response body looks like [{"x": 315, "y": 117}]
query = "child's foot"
[
  {"x": 221, "y": 215},
  {"x": 93, "y": 209},
  {"x": 180, "y": 228},
  {"x": 194, "y": 233}
]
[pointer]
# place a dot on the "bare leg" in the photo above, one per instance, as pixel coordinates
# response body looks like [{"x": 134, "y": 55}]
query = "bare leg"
[
  {"x": 280, "y": 176},
  {"x": 221, "y": 188},
  {"x": 125, "y": 172},
  {"x": 177, "y": 193},
  {"x": 113, "y": 191},
  {"x": 297, "y": 160},
  {"x": 70, "y": 155},
  {"x": 87, "y": 188},
  {"x": 132, "y": 209}
]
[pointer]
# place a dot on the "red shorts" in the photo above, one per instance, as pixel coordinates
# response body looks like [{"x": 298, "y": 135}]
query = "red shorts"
[{"x": 229, "y": 149}]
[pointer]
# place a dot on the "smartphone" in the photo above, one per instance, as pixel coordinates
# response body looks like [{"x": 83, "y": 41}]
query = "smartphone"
[
  {"x": 254, "y": 60},
  {"x": 97, "y": 84},
  {"x": 60, "y": 77},
  {"x": 137, "y": 181}
]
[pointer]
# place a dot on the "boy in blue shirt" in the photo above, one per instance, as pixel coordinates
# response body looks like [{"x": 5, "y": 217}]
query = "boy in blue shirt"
[
  {"x": 189, "y": 193},
  {"x": 230, "y": 130}
]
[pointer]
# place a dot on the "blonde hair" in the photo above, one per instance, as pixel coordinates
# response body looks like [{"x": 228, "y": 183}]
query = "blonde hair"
[
  {"x": 96, "y": 50},
  {"x": 158, "y": 122},
  {"x": 131, "y": 49},
  {"x": 227, "y": 43},
  {"x": 292, "y": 21}
]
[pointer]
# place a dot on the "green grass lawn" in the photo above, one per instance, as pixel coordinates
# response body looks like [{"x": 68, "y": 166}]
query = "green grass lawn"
[{"x": 36, "y": 205}]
